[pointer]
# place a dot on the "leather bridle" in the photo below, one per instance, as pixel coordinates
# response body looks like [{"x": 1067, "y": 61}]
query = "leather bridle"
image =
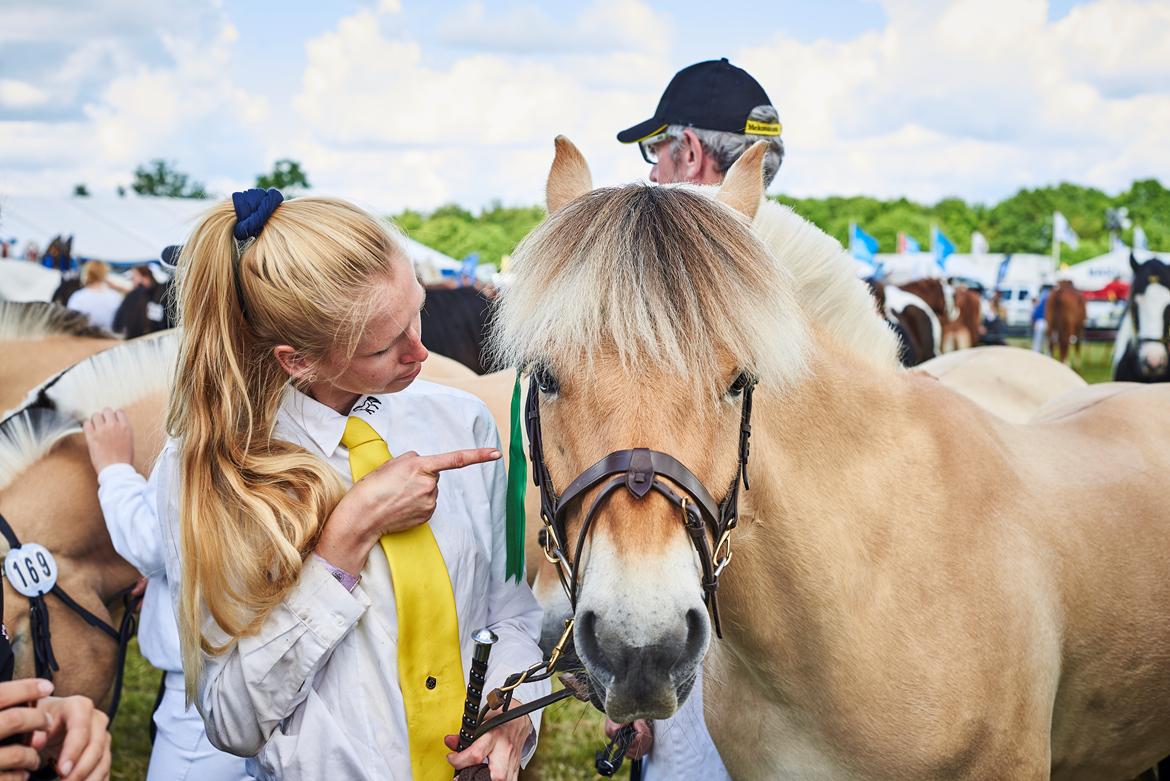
[{"x": 640, "y": 471}]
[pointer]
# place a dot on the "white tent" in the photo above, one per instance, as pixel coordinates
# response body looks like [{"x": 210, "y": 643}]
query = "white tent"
[
  {"x": 1023, "y": 269},
  {"x": 132, "y": 229},
  {"x": 1096, "y": 273}
]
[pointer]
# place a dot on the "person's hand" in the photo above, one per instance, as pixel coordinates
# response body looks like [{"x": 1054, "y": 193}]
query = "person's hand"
[
  {"x": 77, "y": 738},
  {"x": 499, "y": 748},
  {"x": 110, "y": 439},
  {"x": 19, "y": 715},
  {"x": 398, "y": 495},
  {"x": 643, "y": 737}
]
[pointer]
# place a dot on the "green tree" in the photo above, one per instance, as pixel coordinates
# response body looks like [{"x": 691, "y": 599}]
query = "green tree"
[
  {"x": 160, "y": 177},
  {"x": 80, "y": 191},
  {"x": 287, "y": 175}
]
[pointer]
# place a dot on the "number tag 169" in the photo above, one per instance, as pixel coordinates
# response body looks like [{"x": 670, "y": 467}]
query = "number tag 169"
[{"x": 31, "y": 569}]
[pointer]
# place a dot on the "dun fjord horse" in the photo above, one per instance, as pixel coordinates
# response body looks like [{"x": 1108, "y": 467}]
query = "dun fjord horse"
[
  {"x": 48, "y": 494},
  {"x": 38, "y": 340},
  {"x": 1065, "y": 313},
  {"x": 1000, "y": 616},
  {"x": 1142, "y": 350}
]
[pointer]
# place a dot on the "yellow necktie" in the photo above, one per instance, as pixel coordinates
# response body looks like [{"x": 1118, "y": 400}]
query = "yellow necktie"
[{"x": 430, "y": 668}]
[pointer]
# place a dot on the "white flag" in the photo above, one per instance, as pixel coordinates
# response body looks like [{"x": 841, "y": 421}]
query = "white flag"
[
  {"x": 979, "y": 245},
  {"x": 1062, "y": 231},
  {"x": 1139, "y": 239}
]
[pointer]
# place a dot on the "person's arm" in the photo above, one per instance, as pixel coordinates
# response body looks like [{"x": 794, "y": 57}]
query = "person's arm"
[
  {"x": 245, "y": 693},
  {"x": 127, "y": 499}
]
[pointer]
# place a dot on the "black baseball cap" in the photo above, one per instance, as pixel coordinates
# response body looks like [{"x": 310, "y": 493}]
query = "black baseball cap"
[{"x": 713, "y": 95}]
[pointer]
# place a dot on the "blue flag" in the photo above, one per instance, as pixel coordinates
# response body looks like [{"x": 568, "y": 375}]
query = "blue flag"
[
  {"x": 861, "y": 245},
  {"x": 1003, "y": 269},
  {"x": 941, "y": 246},
  {"x": 467, "y": 270}
]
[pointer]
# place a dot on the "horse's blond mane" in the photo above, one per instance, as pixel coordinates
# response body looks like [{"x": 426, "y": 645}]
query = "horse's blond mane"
[
  {"x": 28, "y": 435},
  {"x": 38, "y": 319},
  {"x": 826, "y": 286},
  {"x": 658, "y": 278},
  {"x": 112, "y": 378}
]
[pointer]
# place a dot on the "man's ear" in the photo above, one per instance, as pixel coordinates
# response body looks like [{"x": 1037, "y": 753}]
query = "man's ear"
[{"x": 294, "y": 363}]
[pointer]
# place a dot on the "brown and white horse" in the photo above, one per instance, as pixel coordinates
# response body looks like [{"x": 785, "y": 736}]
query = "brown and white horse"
[
  {"x": 1001, "y": 615},
  {"x": 38, "y": 340},
  {"x": 48, "y": 494},
  {"x": 1065, "y": 312}
]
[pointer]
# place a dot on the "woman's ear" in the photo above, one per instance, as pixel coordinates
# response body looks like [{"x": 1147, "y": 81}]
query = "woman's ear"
[{"x": 294, "y": 363}]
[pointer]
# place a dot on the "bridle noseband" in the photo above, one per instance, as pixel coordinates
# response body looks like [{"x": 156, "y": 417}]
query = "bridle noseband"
[{"x": 640, "y": 471}]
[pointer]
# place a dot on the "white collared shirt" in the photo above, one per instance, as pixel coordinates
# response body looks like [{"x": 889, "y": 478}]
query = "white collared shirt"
[{"x": 315, "y": 695}]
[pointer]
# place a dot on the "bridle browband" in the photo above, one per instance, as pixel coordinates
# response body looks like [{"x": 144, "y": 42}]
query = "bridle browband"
[{"x": 640, "y": 471}]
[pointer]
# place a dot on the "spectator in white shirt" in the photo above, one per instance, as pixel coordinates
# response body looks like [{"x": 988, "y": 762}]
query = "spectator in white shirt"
[
  {"x": 96, "y": 299},
  {"x": 288, "y": 622},
  {"x": 181, "y": 749}
]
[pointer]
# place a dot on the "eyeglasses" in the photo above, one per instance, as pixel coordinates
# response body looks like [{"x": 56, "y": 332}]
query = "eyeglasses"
[{"x": 650, "y": 147}]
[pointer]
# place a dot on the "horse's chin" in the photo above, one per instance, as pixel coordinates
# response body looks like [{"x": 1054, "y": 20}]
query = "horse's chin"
[{"x": 623, "y": 708}]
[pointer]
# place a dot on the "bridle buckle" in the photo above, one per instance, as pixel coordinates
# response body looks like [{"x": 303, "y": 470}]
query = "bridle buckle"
[{"x": 722, "y": 555}]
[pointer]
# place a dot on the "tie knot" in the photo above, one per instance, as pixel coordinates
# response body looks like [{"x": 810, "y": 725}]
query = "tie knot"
[{"x": 358, "y": 432}]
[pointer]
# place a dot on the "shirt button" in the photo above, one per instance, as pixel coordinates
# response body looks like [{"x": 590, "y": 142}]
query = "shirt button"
[{"x": 431, "y": 682}]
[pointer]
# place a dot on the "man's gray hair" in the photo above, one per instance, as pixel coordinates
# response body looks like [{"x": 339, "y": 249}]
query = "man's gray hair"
[{"x": 726, "y": 147}]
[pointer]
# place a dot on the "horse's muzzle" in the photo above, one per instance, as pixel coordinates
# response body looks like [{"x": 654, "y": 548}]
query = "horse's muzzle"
[{"x": 648, "y": 681}]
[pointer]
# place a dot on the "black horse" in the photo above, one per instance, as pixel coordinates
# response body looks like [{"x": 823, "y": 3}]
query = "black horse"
[{"x": 1142, "y": 350}]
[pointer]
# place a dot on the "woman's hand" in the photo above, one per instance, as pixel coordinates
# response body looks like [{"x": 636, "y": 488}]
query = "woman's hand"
[
  {"x": 500, "y": 748},
  {"x": 19, "y": 715},
  {"x": 78, "y": 738},
  {"x": 397, "y": 496},
  {"x": 109, "y": 438}
]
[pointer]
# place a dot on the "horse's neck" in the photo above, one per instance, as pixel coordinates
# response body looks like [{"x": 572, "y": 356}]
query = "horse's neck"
[{"x": 826, "y": 457}]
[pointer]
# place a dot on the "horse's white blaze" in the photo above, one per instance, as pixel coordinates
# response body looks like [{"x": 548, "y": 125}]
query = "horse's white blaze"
[
  {"x": 1151, "y": 308},
  {"x": 659, "y": 595},
  {"x": 656, "y": 596}
]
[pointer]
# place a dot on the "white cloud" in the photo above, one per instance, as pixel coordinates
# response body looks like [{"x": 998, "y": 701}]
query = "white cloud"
[
  {"x": 15, "y": 94},
  {"x": 602, "y": 26},
  {"x": 374, "y": 112},
  {"x": 184, "y": 108},
  {"x": 974, "y": 98},
  {"x": 970, "y": 97}
]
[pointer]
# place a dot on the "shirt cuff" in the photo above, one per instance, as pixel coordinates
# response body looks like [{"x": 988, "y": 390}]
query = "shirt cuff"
[
  {"x": 322, "y": 605},
  {"x": 341, "y": 576},
  {"x": 114, "y": 472}
]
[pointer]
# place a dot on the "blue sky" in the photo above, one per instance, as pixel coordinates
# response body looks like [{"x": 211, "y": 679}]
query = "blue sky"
[{"x": 399, "y": 103}]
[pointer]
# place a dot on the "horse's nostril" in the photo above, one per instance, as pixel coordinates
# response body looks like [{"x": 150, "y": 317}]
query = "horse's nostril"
[{"x": 588, "y": 646}]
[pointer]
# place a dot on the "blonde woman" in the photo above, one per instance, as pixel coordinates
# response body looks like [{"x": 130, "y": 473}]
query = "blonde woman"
[
  {"x": 326, "y": 629},
  {"x": 96, "y": 299}
]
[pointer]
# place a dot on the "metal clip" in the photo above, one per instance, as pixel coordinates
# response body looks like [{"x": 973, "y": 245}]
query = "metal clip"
[{"x": 725, "y": 547}]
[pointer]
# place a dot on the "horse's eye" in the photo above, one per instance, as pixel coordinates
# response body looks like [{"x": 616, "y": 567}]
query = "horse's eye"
[
  {"x": 545, "y": 380},
  {"x": 741, "y": 382}
]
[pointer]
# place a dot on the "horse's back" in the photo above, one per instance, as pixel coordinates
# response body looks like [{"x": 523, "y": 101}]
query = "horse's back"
[{"x": 1007, "y": 381}]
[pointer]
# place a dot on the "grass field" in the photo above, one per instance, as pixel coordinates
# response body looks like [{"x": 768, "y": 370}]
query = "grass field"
[
  {"x": 573, "y": 730},
  {"x": 572, "y": 733}
]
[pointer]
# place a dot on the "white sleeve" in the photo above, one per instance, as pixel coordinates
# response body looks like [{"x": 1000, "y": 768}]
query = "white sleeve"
[
  {"x": 245, "y": 693},
  {"x": 129, "y": 506},
  {"x": 513, "y": 612}
]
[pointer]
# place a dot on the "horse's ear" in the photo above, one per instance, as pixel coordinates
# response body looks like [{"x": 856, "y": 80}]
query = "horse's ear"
[
  {"x": 743, "y": 187},
  {"x": 569, "y": 177},
  {"x": 1133, "y": 262}
]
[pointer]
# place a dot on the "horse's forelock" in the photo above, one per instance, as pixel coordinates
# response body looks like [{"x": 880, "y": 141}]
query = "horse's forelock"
[{"x": 661, "y": 278}]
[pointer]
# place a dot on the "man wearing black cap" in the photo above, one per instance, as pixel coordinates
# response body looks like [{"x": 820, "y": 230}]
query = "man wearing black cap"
[{"x": 709, "y": 115}]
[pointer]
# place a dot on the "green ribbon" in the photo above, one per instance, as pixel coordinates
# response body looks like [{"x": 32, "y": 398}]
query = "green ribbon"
[{"x": 517, "y": 484}]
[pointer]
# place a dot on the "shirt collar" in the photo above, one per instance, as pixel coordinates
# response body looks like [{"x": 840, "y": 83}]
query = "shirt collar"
[{"x": 324, "y": 425}]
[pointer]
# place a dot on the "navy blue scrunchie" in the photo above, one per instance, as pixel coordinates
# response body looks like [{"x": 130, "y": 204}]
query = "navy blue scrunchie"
[{"x": 253, "y": 208}]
